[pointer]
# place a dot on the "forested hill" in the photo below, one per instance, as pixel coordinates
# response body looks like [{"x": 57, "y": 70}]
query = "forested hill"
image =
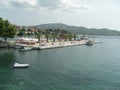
[{"x": 79, "y": 30}]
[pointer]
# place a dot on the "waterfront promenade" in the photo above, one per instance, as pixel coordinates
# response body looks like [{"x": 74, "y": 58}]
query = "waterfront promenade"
[
  {"x": 50, "y": 45},
  {"x": 59, "y": 44}
]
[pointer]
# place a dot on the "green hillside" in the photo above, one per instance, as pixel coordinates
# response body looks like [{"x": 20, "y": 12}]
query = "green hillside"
[{"x": 79, "y": 30}]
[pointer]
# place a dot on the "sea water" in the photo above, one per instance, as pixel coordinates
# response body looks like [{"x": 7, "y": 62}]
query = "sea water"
[{"x": 83, "y": 67}]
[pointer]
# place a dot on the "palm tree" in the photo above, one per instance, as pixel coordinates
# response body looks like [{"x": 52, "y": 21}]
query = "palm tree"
[
  {"x": 65, "y": 37},
  {"x": 47, "y": 34},
  {"x": 38, "y": 33},
  {"x": 47, "y": 37},
  {"x": 54, "y": 35},
  {"x": 70, "y": 36},
  {"x": 74, "y": 36}
]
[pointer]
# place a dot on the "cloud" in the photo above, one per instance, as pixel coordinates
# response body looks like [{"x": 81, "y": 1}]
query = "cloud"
[
  {"x": 24, "y": 4},
  {"x": 50, "y": 4},
  {"x": 63, "y": 5},
  {"x": 4, "y": 3},
  {"x": 53, "y": 5},
  {"x": 71, "y": 5}
]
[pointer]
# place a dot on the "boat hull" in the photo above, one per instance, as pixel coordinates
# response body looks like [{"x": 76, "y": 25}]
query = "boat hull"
[
  {"x": 17, "y": 65},
  {"x": 25, "y": 48},
  {"x": 89, "y": 43}
]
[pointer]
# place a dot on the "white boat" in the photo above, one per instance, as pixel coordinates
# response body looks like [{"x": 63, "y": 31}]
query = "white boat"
[
  {"x": 17, "y": 65},
  {"x": 25, "y": 48},
  {"x": 89, "y": 42}
]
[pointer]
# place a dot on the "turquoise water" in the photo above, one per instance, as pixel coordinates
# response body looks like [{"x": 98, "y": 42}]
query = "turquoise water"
[{"x": 94, "y": 67}]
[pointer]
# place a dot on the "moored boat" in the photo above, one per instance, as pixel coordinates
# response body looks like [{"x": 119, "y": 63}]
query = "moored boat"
[
  {"x": 90, "y": 42},
  {"x": 25, "y": 48},
  {"x": 17, "y": 65}
]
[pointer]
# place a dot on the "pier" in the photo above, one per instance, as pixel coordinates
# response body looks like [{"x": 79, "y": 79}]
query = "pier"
[{"x": 51, "y": 45}]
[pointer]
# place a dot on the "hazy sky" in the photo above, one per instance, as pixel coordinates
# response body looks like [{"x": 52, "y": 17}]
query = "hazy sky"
[{"x": 88, "y": 13}]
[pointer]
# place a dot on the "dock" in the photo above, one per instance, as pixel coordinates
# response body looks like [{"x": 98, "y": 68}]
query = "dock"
[
  {"x": 51, "y": 45},
  {"x": 58, "y": 44}
]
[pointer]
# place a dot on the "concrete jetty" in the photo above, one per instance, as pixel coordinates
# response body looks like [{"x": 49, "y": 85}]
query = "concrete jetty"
[{"x": 50, "y": 45}]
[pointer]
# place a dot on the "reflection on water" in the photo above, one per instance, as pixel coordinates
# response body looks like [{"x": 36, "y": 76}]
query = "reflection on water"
[
  {"x": 71, "y": 68},
  {"x": 7, "y": 57}
]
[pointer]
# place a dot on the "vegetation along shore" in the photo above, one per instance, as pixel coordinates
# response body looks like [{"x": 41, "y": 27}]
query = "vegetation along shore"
[{"x": 39, "y": 37}]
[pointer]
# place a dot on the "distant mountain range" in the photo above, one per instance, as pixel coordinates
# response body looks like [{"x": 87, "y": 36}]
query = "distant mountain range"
[{"x": 79, "y": 30}]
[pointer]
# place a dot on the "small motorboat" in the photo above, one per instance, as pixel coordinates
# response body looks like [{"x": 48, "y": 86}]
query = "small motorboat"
[
  {"x": 17, "y": 65},
  {"x": 25, "y": 48},
  {"x": 89, "y": 43}
]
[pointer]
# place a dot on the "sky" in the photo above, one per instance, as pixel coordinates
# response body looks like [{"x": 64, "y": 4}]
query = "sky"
[{"x": 86, "y": 13}]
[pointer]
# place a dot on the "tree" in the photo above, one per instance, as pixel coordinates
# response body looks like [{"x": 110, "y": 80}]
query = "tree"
[
  {"x": 65, "y": 37},
  {"x": 23, "y": 31},
  {"x": 47, "y": 37},
  {"x": 38, "y": 35},
  {"x": 54, "y": 35},
  {"x": 7, "y": 30},
  {"x": 75, "y": 36},
  {"x": 47, "y": 34},
  {"x": 1, "y": 23},
  {"x": 29, "y": 32}
]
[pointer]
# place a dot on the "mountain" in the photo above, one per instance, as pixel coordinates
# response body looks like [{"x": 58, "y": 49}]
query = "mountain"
[{"x": 79, "y": 30}]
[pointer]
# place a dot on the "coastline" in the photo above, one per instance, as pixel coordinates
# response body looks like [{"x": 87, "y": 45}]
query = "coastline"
[
  {"x": 47, "y": 45},
  {"x": 50, "y": 45}
]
